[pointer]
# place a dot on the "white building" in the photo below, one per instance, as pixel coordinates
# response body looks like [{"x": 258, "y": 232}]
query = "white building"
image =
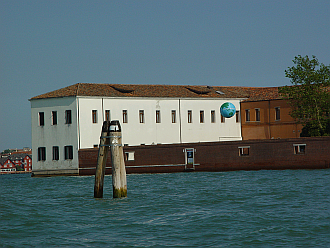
[{"x": 71, "y": 118}]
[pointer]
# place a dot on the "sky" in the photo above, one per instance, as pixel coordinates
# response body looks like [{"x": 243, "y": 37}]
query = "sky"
[{"x": 47, "y": 45}]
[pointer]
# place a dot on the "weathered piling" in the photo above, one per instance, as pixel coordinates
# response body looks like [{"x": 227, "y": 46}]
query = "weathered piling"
[
  {"x": 101, "y": 160},
  {"x": 119, "y": 183}
]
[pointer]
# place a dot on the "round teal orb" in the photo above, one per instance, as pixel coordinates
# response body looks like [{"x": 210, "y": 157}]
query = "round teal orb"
[{"x": 227, "y": 110}]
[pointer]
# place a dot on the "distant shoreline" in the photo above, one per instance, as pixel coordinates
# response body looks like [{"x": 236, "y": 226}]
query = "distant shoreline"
[{"x": 15, "y": 172}]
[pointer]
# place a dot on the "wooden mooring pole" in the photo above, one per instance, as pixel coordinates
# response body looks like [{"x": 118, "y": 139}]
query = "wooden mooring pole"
[
  {"x": 102, "y": 160},
  {"x": 119, "y": 183}
]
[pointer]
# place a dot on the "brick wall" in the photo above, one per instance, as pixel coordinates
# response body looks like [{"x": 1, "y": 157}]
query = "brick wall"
[{"x": 219, "y": 156}]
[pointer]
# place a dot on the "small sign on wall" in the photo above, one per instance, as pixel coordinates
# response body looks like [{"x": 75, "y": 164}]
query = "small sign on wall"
[{"x": 190, "y": 158}]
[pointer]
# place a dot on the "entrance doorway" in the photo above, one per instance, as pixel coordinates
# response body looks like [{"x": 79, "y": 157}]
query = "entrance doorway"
[{"x": 190, "y": 159}]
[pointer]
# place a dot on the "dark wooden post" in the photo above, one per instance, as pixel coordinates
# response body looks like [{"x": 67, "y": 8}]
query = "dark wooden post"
[
  {"x": 119, "y": 183},
  {"x": 102, "y": 160}
]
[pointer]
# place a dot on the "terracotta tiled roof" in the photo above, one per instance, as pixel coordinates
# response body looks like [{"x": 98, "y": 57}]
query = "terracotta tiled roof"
[
  {"x": 262, "y": 93},
  {"x": 175, "y": 91}
]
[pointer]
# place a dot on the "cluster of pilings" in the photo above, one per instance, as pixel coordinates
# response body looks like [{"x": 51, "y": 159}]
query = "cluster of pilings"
[{"x": 111, "y": 138}]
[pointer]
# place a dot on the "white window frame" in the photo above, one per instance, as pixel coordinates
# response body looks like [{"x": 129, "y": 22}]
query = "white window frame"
[
  {"x": 299, "y": 149},
  {"x": 94, "y": 116},
  {"x": 242, "y": 151},
  {"x": 158, "y": 119},
  {"x": 141, "y": 116},
  {"x": 129, "y": 156},
  {"x": 189, "y": 116},
  {"x": 173, "y": 116}
]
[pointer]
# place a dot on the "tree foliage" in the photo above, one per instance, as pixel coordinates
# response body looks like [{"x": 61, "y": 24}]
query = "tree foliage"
[{"x": 309, "y": 96}]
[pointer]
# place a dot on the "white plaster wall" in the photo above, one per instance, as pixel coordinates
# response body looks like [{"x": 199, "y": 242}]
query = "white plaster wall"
[
  {"x": 134, "y": 132},
  {"x": 150, "y": 132},
  {"x": 54, "y": 135},
  {"x": 89, "y": 131},
  {"x": 207, "y": 131}
]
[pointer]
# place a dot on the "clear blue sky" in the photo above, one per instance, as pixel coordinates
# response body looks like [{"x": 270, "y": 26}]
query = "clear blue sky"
[{"x": 47, "y": 45}]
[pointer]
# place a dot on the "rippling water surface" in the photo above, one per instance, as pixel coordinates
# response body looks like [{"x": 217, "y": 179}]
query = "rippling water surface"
[{"x": 226, "y": 209}]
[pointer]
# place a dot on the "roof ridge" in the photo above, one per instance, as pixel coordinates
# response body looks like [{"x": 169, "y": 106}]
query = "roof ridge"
[{"x": 159, "y": 90}]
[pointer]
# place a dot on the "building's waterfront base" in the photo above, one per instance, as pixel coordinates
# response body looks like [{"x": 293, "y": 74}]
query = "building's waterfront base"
[
  {"x": 280, "y": 154},
  {"x": 48, "y": 173}
]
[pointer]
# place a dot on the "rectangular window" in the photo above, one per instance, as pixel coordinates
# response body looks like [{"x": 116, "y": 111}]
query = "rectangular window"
[
  {"x": 54, "y": 117},
  {"x": 41, "y": 153},
  {"x": 55, "y": 153},
  {"x": 299, "y": 148},
  {"x": 68, "y": 119},
  {"x": 223, "y": 119},
  {"x": 141, "y": 116},
  {"x": 129, "y": 156},
  {"x": 189, "y": 116},
  {"x": 41, "y": 118},
  {"x": 173, "y": 116},
  {"x": 212, "y": 116},
  {"x": 244, "y": 151},
  {"x": 107, "y": 115},
  {"x": 277, "y": 114},
  {"x": 238, "y": 117},
  {"x": 247, "y": 115},
  {"x": 157, "y": 116},
  {"x": 94, "y": 116},
  {"x": 257, "y": 114},
  {"x": 125, "y": 118},
  {"x": 201, "y": 116},
  {"x": 68, "y": 152}
]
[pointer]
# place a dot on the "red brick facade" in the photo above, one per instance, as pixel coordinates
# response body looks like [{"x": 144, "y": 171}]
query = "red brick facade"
[
  {"x": 268, "y": 119},
  {"x": 299, "y": 153},
  {"x": 16, "y": 163}
]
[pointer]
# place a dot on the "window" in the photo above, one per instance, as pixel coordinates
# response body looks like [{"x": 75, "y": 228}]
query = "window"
[
  {"x": 125, "y": 119},
  {"x": 157, "y": 116},
  {"x": 277, "y": 114},
  {"x": 41, "y": 118},
  {"x": 68, "y": 152},
  {"x": 247, "y": 115},
  {"x": 238, "y": 117},
  {"x": 94, "y": 116},
  {"x": 41, "y": 153},
  {"x": 212, "y": 116},
  {"x": 173, "y": 116},
  {"x": 201, "y": 116},
  {"x": 129, "y": 156},
  {"x": 141, "y": 116},
  {"x": 299, "y": 149},
  {"x": 107, "y": 115},
  {"x": 244, "y": 151},
  {"x": 223, "y": 119},
  {"x": 189, "y": 116},
  {"x": 68, "y": 119},
  {"x": 257, "y": 114},
  {"x": 54, "y": 117},
  {"x": 55, "y": 153}
]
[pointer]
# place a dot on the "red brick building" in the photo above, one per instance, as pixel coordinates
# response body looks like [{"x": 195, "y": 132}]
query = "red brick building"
[
  {"x": 16, "y": 162},
  {"x": 265, "y": 115},
  {"x": 7, "y": 165}
]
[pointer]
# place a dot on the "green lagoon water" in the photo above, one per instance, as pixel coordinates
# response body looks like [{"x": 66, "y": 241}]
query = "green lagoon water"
[{"x": 289, "y": 208}]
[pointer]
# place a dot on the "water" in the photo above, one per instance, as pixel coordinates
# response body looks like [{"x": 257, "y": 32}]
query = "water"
[{"x": 226, "y": 209}]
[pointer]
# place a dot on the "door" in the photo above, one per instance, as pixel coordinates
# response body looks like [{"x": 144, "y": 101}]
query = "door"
[{"x": 190, "y": 159}]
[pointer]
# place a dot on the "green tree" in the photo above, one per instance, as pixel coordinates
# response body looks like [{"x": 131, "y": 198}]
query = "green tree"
[
  {"x": 6, "y": 151},
  {"x": 309, "y": 96}
]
